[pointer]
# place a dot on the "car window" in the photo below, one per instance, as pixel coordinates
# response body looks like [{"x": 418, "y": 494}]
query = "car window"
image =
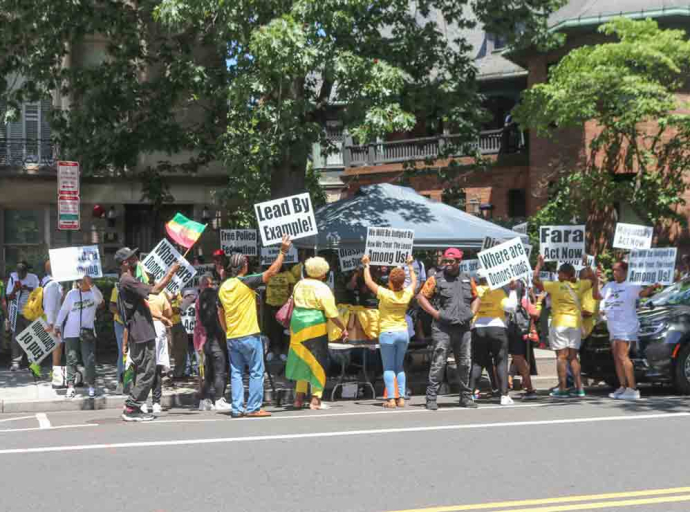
[{"x": 676, "y": 295}]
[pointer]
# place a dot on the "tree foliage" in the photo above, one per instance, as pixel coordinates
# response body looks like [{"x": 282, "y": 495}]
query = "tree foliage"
[{"x": 626, "y": 90}]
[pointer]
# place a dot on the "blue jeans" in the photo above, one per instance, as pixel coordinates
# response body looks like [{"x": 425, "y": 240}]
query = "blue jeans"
[
  {"x": 393, "y": 349},
  {"x": 246, "y": 351},
  {"x": 119, "y": 333}
]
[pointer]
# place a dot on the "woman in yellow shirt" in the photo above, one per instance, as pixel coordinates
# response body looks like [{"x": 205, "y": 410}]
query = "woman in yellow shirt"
[{"x": 393, "y": 336}]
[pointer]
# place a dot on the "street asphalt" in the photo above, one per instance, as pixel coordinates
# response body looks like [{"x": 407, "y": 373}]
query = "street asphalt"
[{"x": 547, "y": 455}]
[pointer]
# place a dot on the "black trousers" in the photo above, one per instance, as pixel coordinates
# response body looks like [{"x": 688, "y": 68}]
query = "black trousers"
[
  {"x": 489, "y": 349},
  {"x": 144, "y": 360},
  {"x": 215, "y": 373}
]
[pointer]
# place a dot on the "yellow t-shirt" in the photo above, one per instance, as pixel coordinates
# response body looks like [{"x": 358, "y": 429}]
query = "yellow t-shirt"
[
  {"x": 296, "y": 271},
  {"x": 175, "y": 302},
  {"x": 113, "y": 300},
  {"x": 492, "y": 303},
  {"x": 160, "y": 306},
  {"x": 564, "y": 310},
  {"x": 392, "y": 308},
  {"x": 591, "y": 305},
  {"x": 239, "y": 304},
  {"x": 278, "y": 288},
  {"x": 315, "y": 294}
]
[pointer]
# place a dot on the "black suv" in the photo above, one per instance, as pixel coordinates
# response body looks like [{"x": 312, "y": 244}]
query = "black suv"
[{"x": 662, "y": 354}]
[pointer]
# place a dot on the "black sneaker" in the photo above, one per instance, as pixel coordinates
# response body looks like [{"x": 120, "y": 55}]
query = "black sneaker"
[
  {"x": 530, "y": 395},
  {"x": 132, "y": 414},
  {"x": 431, "y": 405},
  {"x": 467, "y": 402}
]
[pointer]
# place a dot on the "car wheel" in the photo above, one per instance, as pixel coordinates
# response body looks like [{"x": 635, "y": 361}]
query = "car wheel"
[{"x": 683, "y": 371}]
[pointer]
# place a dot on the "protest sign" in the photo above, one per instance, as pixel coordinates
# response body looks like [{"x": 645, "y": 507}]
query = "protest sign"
[
  {"x": 188, "y": 318},
  {"x": 159, "y": 260},
  {"x": 520, "y": 228},
  {"x": 292, "y": 216},
  {"x": 490, "y": 242},
  {"x": 206, "y": 268},
  {"x": 269, "y": 255},
  {"x": 632, "y": 236},
  {"x": 73, "y": 263},
  {"x": 12, "y": 312},
  {"x": 652, "y": 266},
  {"x": 562, "y": 243},
  {"x": 469, "y": 267},
  {"x": 36, "y": 342},
  {"x": 389, "y": 246},
  {"x": 578, "y": 265},
  {"x": 504, "y": 263},
  {"x": 350, "y": 259},
  {"x": 239, "y": 240},
  {"x": 547, "y": 276}
]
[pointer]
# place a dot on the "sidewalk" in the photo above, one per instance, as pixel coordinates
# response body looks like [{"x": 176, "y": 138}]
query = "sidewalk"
[{"x": 21, "y": 392}]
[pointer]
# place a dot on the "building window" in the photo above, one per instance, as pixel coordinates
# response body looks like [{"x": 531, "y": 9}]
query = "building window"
[
  {"x": 517, "y": 203},
  {"x": 23, "y": 230},
  {"x": 26, "y": 141}
]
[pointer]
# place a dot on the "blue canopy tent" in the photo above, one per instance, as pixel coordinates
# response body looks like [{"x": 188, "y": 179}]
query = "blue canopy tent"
[{"x": 436, "y": 225}]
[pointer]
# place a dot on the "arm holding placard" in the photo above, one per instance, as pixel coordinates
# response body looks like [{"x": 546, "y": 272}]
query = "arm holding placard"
[
  {"x": 367, "y": 276},
  {"x": 160, "y": 285},
  {"x": 278, "y": 263},
  {"x": 536, "y": 280},
  {"x": 413, "y": 274}
]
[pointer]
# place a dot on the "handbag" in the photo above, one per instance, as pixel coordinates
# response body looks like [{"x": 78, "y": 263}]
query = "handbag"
[
  {"x": 85, "y": 334},
  {"x": 284, "y": 314}
]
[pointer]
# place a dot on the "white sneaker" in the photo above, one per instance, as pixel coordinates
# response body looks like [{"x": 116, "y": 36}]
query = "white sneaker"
[
  {"x": 157, "y": 409},
  {"x": 506, "y": 400},
  {"x": 145, "y": 409},
  {"x": 70, "y": 393},
  {"x": 206, "y": 405},
  {"x": 269, "y": 357},
  {"x": 630, "y": 394},
  {"x": 92, "y": 392},
  {"x": 222, "y": 405},
  {"x": 617, "y": 394}
]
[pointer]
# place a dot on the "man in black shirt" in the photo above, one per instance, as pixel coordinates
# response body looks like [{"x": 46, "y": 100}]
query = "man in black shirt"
[{"x": 141, "y": 332}]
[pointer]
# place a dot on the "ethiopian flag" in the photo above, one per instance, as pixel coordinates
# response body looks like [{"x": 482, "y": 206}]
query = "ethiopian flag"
[
  {"x": 308, "y": 355},
  {"x": 183, "y": 231}
]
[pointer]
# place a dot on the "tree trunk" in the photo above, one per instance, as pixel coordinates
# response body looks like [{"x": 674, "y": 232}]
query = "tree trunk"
[{"x": 288, "y": 178}]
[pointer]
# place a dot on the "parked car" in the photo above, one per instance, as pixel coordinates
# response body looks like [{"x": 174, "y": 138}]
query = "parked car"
[{"x": 662, "y": 354}]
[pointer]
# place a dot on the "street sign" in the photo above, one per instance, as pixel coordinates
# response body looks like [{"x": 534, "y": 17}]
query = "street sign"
[{"x": 69, "y": 218}]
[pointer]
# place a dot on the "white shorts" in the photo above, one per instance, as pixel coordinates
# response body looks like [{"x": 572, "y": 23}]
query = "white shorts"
[
  {"x": 162, "y": 356},
  {"x": 561, "y": 338}
]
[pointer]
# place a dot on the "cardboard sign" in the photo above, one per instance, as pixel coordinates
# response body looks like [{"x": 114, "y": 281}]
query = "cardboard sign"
[
  {"x": 188, "y": 318},
  {"x": 159, "y": 260},
  {"x": 562, "y": 243},
  {"x": 73, "y": 263},
  {"x": 350, "y": 259},
  {"x": 36, "y": 342},
  {"x": 292, "y": 216},
  {"x": 389, "y": 246},
  {"x": 469, "y": 267},
  {"x": 632, "y": 236},
  {"x": 269, "y": 255},
  {"x": 239, "y": 240},
  {"x": 652, "y": 266},
  {"x": 505, "y": 263}
]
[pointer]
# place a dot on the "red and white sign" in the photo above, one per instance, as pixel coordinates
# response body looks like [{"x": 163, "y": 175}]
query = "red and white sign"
[{"x": 68, "y": 178}]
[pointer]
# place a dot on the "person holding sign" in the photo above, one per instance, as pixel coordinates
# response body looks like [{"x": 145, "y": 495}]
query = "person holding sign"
[
  {"x": 455, "y": 295},
  {"x": 394, "y": 337},
  {"x": 565, "y": 333},
  {"x": 162, "y": 314},
  {"x": 78, "y": 313},
  {"x": 238, "y": 317},
  {"x": 19, "y": 286},
  {"x": 141, "y": 333},
  {"x": 619, "y": 303}
]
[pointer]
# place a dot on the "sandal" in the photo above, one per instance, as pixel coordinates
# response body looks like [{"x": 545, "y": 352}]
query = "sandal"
[{"x": 390, "y": 404}]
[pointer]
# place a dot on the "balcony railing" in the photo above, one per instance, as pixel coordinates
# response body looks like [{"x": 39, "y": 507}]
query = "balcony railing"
[
  {"x": 397, "y": 151},
  {"x": 27, "y": 153}
]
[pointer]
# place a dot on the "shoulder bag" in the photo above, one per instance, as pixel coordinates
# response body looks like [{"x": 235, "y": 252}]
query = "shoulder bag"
[{"x": 284, "y": 314}]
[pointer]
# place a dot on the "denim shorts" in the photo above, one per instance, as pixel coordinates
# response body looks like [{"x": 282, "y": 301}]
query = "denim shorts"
[{"x": 631, "y": 336}]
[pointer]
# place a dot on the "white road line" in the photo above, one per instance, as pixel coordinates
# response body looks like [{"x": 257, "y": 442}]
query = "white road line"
[
  {"x": 43, "y": 420},
  {"x": 19, "y": 418},
  {"x": 346, "y": 433},
  {"x": 49, "y": 428},
  {"x": 315, "y": 415}
]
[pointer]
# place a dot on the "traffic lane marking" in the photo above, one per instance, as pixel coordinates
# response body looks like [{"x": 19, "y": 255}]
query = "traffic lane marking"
[
  {"x": 605, "y": 504},
  {"x": 43, "y": 429},
  {"x": 18, "y": 418},
  {"x": 561, "y": 500},
  {"x": 345, "y": 433},
  {"x": 43, "y": 420}
]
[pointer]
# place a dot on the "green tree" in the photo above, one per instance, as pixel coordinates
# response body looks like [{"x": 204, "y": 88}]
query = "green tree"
[{"x": 626, "y": 90}]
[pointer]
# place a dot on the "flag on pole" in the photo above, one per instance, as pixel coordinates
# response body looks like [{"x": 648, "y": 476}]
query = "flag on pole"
[{"x": 184, "y": 231}]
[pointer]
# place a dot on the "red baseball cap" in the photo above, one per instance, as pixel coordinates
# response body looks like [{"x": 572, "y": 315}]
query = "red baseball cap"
[
  {"x": 453, "y": 253},
  {"x": 218, "y": 253}
]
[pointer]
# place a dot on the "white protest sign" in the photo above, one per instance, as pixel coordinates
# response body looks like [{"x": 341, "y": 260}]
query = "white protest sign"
[
  {"x": 292, "y": 216},
  {"x": 632, "y": 236},
  {"x": 389, "y": 246},
  {"x": 188, "y": 318},
  {"x": 159, "y": 260},
  {"x": 547, "y": 276},
  {"x": 490, "y": 242},
  {"x": 239, "y": 240},
  {"x": 469, "y": 267},
  {"x": 652, "y": 266},
  {"x": 206, "y": 268},
  {"x": 562, "y": 243},
  {"x": 36, "y": 342},
  {"x": 521, "y": 228},
  {"x": 12, "y": 312},
  {"x": 505, "y": 263},
  {"x": 73, "y": 263},
  {"x": 350, "y": 259},
  {"x": 578, "y": 264},
  {"x": 269, "y": 255}
]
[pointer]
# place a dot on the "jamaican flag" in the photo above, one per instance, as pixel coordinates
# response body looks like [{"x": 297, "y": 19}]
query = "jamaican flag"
[{"x": 308, "y": 348}]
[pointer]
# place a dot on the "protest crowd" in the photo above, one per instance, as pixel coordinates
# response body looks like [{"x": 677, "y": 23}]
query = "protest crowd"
[{"x": 251, "y": 313}]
